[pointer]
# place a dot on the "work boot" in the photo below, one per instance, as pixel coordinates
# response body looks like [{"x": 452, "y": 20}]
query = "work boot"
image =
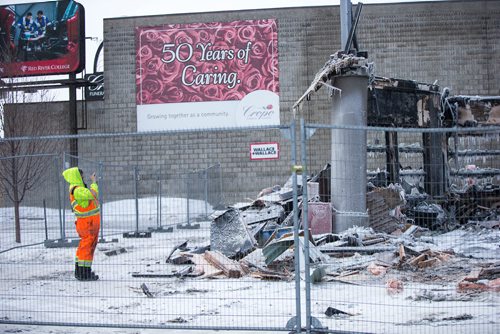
[
  {"x": 78, "y": 271},
  {"x": 89, "y": 275}
]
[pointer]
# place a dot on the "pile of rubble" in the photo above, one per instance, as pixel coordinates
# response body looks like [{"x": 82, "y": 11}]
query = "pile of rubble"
[
  {"x": 482, "y": 279},
  {"x": 256, "y": 239}
]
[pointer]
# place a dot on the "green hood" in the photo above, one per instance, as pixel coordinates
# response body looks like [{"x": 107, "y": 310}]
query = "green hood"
[{"x": 73, "y": 177}]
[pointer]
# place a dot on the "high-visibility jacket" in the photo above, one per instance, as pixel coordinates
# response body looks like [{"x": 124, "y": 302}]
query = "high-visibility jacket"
[
  {"x": 84, "y": 201},
  {"x": 91, "y": 210}
]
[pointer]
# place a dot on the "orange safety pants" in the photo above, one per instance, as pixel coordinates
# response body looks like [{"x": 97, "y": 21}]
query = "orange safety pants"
[{"x": 88, "y": 230}]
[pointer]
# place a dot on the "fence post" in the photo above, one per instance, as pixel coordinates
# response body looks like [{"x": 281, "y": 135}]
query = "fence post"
[
  {"x": 221, "y": 194},
  {"x": 158, "y": 203},
  {"x": 136, "y": 177},
  {"x": 298, "y": 311},
  {"x": 303, "y": 143},
  {"x": 99, "y": 196},
  {"x": 45, "y": 219},
  {"x": 205, "y": 176},
  {"x": 62, "y": 218},
  {"x": 187, "y": 197}
]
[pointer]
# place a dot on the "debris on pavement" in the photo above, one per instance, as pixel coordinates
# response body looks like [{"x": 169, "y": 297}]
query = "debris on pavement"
[
  {"x": 146, "y": 291},
  {"x": 181, "y": 246},
  {"x": 230, "y": 268},
  {"x": 394, "y": 286},
  {"x": 178, "y": 320},
  {"x": 229, "y": 234},
  {"x": 332, "y": 311},
  {"x": 482, "y": 279},
  {"x": 115, "y": 251}
]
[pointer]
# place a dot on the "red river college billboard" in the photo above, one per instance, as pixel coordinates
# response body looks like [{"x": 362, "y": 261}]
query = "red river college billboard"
[
  {"x": 207, "y": 75},
  {"x": 42, "y": 38}
]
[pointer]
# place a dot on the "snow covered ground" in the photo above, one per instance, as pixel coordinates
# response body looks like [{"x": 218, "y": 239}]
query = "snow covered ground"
[{"x": 38, "y": 285}]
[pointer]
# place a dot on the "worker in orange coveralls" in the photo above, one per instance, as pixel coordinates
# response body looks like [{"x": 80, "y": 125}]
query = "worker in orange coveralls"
[{"x": 85, "y": 206}]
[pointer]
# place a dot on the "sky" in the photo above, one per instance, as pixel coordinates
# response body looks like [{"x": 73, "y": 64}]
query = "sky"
[{"x": 97, "y": 10}]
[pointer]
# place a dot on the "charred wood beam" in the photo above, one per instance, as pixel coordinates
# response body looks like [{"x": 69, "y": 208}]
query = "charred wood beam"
[{"x": 392, "y": 156}]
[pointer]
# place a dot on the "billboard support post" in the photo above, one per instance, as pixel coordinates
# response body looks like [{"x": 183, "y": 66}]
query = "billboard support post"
[{"x": 73, "y": 144}]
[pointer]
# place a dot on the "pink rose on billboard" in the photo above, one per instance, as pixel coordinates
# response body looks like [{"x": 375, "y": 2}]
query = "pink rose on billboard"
[
  {"x": 152, "y": 66},
  {"x": 158, "y": 45},
  {"x": 270, "y": 67},
  {"x": 267, "y": 27},
  {"x": 226, "y": 34},
  {"x": 154, "y": 86},
  {"x": 211, "y": 92},
  {"x": 233, "y": 95},
  {"x": 204, "y": 36},
  {"x": 195, "y": 98},
  {"x": 212, "y": 25},
  {"x": 272, "y": 85},
  {"x": 259, "y": 50},
  {"x": 252, "y": 80},
  {"x": 169, "y": 71},
  {"x": 239, "y": 65},
  {"x": 150, "y": 35},
  {"x": 145, "y": 53},
  {"x": 172, "y": 95},
  {"x": 246, "y": 33},
  {"x": 182, "y": 37}
]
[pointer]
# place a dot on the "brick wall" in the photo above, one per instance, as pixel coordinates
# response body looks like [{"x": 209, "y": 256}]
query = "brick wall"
[{"x": 456, "y": 43}]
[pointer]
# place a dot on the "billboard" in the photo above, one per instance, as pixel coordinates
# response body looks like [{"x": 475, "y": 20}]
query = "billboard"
[
  {"x": 207, "y": 75},
  {"x": 42, "y": 38}
]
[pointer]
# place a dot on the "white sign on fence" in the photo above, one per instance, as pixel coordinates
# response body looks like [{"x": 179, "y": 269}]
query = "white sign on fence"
[{"x": 264, "y": 151}]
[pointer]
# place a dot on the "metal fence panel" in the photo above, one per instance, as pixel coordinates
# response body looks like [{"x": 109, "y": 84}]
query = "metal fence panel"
[
  {"x": 423, "y": 232},
  {"x": 37, "y": 182},
  {"x": 158, "y": 214}
]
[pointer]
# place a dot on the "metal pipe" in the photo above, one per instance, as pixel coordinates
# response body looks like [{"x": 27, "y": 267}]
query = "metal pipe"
[
  {"x": 187, "y": 198},
  {"x": 62, "y": 209},
  {"x": 158, "y": 203},
  {"x": 138, "y": 134},
  {"x": 136, "y": 177},
  {"x": 221, "y": 197},
  {"x": 305, "y": 223},
  {"x": 205, "y": 172},
  {"x": 28, "y": 156},
  {"x": 100, "y": 197},
  {"x": 296, "y": 251},
  {"x": 159, "y": 193},
  {"x": 58, "y": 181},
  {"x": 45, "y": 219},
  {"x": 352, "y": 28}
]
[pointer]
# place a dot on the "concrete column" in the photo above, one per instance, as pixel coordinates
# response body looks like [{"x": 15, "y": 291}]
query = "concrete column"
[{"x": 348, "y": 175}]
